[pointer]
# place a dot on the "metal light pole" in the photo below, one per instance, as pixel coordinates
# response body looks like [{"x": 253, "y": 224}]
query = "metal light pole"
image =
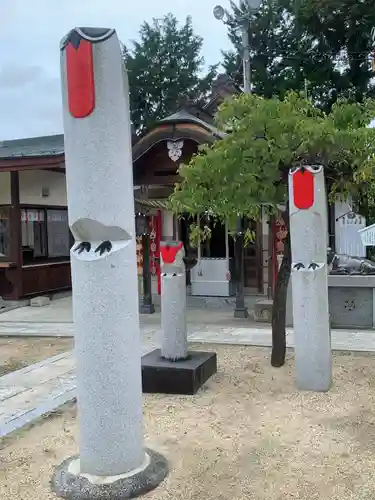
[
  {"x": 240, "y": 310},
  {"x": 246, "y": 58},
  {"x": 220, "y": 13}
]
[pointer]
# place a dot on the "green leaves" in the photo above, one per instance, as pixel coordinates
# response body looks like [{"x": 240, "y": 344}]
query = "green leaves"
[
  {"x": 249, "y": 167},
  {"x": 319, "y": 46},
  {"x": 164, "y": 66}
]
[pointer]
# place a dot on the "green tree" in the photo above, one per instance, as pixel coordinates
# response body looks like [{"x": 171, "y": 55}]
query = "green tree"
[
  {"x": 164, "y": 66},
  {"x": 283, "y": 54},
  {"x": 321, "y": 45},
  {"x": 248, "y": 169},
  {"x": 346, "y": 26}
]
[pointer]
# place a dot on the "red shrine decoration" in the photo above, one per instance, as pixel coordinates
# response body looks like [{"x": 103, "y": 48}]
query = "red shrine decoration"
[
  {"x": 80, "y": 76},
  {"x": 303, "y": 189},
  {"x": 155, "y": 228},
  {"x": 169, "y": 252},
  {"x": 279, "y": 234}
]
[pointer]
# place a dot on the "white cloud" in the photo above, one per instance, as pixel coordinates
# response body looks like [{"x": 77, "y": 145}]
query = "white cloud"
[{"x": 30, "y": 33}]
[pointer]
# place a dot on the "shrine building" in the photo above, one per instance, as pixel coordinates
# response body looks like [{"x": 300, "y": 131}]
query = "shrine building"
[{"x": 35, "y": 240}]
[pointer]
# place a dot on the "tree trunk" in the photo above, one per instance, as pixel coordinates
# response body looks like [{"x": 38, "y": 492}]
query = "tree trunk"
[{"x": 279, "y": 302}]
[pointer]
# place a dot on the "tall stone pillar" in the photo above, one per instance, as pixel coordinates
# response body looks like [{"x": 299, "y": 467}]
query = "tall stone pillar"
[
  {"x": 105, "y": 289},
  {"x": 309, "y": 241}
]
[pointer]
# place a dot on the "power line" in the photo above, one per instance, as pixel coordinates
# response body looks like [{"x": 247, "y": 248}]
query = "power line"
[{"x": 309, "y": 57}]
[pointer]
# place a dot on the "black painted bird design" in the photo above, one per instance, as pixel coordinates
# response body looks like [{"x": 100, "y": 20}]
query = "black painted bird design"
[
  {"x": 299, "y": 266},
  {"x": 312, "y": 266},
  {"x": 85, "y": 246}
]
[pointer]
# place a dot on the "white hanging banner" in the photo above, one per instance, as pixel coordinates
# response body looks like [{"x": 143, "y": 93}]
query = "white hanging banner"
[{"x": 32, "y": 215}]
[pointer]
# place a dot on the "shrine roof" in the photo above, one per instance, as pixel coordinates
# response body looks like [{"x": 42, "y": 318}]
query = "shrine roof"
[
  {"x": 33, "y": 147},
  {"x": 191, "y": 126},
  {"x": 183, "y": 116},
  {"x": 179, "y": 125}
]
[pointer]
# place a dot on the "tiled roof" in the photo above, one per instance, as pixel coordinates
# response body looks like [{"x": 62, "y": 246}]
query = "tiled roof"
[
  {"x": 53, "y": 145},
  {"x": 50, "y": 145}
]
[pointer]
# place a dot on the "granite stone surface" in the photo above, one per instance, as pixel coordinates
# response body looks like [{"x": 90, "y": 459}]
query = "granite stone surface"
[
  {"x": 351, "y": 307},
  {"x": 173, "y": 316},
  {"x": 73, "y": 487},
  {"x": 309, "y": 242},
  {"x": 99, "y": 177}
]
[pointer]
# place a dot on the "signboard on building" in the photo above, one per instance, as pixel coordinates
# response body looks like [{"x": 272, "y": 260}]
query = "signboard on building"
[{"x": 347, "y": 225}]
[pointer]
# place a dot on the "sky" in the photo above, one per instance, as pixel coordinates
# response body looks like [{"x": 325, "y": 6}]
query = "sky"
[{"x": 30, "y": 33}]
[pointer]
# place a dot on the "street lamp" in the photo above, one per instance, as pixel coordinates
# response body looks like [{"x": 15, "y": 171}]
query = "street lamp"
[
  {"x": 141, "y": 229},
  {"x": 219, "y": 13}
]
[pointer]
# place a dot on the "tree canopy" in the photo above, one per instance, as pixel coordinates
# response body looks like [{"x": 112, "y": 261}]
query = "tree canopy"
[
  {"x": 248, "y": 169},
  {"x": 321, "y": 45},
  {"x": 267, "y": 137},
  {"x": 163, "y": 66}
]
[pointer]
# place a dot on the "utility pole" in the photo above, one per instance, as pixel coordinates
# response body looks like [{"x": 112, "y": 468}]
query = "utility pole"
[
  {"x": 240, "y": 310},
  {"x": 246, "y": 58}
]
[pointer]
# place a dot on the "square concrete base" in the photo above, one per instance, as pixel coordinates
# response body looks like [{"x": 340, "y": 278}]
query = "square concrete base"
[
  {"x": 241, "y": 313},
  {"x": 263, "y": 311},
  {"x": 40, "y": 301},
  {"x": 146, "y": 308},
  {"x": 177, "y": 377}
]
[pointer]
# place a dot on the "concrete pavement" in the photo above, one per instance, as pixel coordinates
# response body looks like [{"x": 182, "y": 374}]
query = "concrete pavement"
[{"x": 56, "y": 319}]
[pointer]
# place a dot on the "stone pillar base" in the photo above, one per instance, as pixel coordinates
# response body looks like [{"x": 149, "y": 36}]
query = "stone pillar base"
[
  {"x": 263, "y": 311},
  {"x": 146, "y": 308},
  {"x": 68, "y": 483},
  {"x": 160, "y": 375},
  {"x": 241, "y": 312}
]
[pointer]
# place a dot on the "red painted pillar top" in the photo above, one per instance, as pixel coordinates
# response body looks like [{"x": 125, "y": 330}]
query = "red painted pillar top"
[
  {"x": 78, "y": 47},
  {"x": 303, "y": 189},
  {"x": 169, "y": 252},
  {"x": 80, "y": 76}
]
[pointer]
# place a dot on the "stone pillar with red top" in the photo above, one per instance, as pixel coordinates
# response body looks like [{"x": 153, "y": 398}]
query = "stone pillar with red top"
[
  {"x": 309, "y": 242},
  {"x": 173, "y": 369},
  {"x": 173, "y": 301},
  {"x": 113, "y": 461}
]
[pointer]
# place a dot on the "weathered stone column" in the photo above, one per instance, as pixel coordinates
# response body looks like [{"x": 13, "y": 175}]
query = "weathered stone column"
[
  {"x": 309, "y": 241},
  {"x": 105, "y": 289},
  {"x": 173, "y": 302}
]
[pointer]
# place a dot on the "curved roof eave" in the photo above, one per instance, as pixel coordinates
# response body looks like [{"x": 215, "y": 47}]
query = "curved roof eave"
[{"x": 173, "y": 132}]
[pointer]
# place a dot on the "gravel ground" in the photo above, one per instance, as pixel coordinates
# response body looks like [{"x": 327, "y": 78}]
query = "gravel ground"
[
  {"x": 248, "y": 434},
  {"x": 16, "y": 353}
]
